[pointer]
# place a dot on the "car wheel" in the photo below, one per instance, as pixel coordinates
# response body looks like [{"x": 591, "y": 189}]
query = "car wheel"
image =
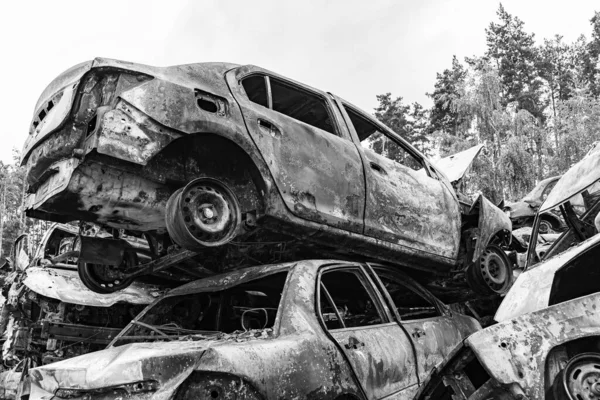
[
  {"x": 492, "y": 273},
  {"x": 205, "y": 213},
  {"x": 105, "y": 279},
  {"x": 580, "y": 379}
]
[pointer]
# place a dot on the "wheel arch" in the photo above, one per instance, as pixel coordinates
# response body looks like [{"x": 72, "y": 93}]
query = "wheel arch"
[
  {"x": 213, "y": 155},
  {"x": 562, "y": 352}
]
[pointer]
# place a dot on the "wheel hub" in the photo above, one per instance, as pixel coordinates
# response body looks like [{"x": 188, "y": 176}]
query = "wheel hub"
[
  {"x": 581, "y": 377},
  {"x": 203, "y": 213},
  {"x": 492, "y": 274}
]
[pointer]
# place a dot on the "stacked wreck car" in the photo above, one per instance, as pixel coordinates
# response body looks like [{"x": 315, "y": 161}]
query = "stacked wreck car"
[
  {"x": 208, "y": 170},
  {"x": 232, "y": 165},
  {"x": 48, "y": 314}
]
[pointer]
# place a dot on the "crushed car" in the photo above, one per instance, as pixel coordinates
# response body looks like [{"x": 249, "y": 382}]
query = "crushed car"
[
  {"x": 546, "y": 344},
  {"x": 229, "y": 165},
  {"x": 48, "y": 314},
  {"x": 522, "y": 213},
  {"x": 309, "y": 329}
]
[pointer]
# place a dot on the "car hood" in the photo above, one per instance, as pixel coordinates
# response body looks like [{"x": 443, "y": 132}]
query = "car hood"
[
  {"x": 578, "y": 178},
  {"x": 531, "y": 290},
  {"x": 65, "y": 285},
  {"x": 457, "y": 165},
  {"x": 168, "y": 363}
]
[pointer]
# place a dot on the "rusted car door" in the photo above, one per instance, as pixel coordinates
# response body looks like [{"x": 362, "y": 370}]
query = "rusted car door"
[
  {"x": 313, "y": 160},
  {"x": 404, "y": 204},
  {"x": 378, "y": 349},
  {"x": 433, "y": 331}
]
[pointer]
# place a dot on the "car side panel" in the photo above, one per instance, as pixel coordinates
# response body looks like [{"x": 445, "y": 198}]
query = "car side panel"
[
  {"x": 382, "y": 358},
  {"x": 319, "y": 175},
  {"x": 434, "y": 339},
  {"x": 410, "y": 208}
]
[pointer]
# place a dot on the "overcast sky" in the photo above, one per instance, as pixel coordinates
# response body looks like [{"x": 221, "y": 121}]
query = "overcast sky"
[{"x": 356, "y": 49}]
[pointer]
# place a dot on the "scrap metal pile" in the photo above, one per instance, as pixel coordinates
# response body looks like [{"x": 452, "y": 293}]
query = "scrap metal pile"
[{"x": 319, "y": 249}]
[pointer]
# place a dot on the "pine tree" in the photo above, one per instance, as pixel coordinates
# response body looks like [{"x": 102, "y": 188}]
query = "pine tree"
[{"x": 443, "y": 116}]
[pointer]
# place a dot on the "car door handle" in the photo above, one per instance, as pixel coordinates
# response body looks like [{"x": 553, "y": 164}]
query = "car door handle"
[
  {"x": 269, "y": 126},
  {"x": 378, "y": 168},
  {"x": 353, "y": 343},
  {"x": 417, "y": 333}
]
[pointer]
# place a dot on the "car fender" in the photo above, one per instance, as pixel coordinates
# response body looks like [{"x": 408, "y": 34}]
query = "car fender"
[
  {"x": 492, "y": 223},
  {"x": 65, "y": 285},
  {"x": 514, "y": 352}
]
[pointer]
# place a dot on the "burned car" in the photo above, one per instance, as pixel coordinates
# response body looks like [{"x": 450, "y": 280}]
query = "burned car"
[
  {"x": 546, "y": 344},
  {"x": 49, "y": 315},
  {"x": 235, "y": 164},
  {"x": 522, "y": 213},
  {"x": 310, "y": 329}
]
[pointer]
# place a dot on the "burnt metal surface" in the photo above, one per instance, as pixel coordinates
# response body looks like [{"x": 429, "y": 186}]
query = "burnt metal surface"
[
  {"x": 456, "y": 166},
  {"x": 492, "y": 223},
  {"x": 296, "y": 358},
  {"x": 517, "y": 359},
  {"x": 575, "y": 180},
  {"x": 514, "y": 352}
]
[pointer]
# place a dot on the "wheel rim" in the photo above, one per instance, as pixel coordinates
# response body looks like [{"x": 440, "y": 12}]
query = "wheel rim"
[
  {"x": 493, "y": 270},
  {"x": 105, "y": 278},
  {"x": 492, "y": 274},
  {"x": 205, "y": 213},
  {"x": 581, "y": 377}
]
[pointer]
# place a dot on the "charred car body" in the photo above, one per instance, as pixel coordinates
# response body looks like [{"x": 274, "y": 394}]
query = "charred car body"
[
  {"x": 310, "y": 329},
  {"x": 49, "y": 315},
  {"x": 238, "y": 164},
  {"x": 546, "y": 344}
]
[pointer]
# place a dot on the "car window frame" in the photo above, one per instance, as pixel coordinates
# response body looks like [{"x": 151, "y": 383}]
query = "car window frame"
[
  {"x": 410, "y": 284},
  {"x": 296, "y": 85},
  {"x": 390, "y": 134},
  {"x": 288, "y": 269},
  {"x": 382, "y": 308}
]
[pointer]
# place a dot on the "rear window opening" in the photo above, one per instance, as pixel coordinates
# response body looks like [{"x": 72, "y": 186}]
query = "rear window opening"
[
  {"x": 248, "y": 306},
  {"x": 300, "y": 105}
]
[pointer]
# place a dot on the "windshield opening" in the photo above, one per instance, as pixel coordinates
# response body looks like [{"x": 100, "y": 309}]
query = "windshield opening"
[{"x": 248, "y": 306}]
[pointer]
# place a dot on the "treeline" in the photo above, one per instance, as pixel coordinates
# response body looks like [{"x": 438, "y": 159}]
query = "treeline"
[
  {"x": 535, "y": 106},
  {"x": 12, "y": 220}
]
